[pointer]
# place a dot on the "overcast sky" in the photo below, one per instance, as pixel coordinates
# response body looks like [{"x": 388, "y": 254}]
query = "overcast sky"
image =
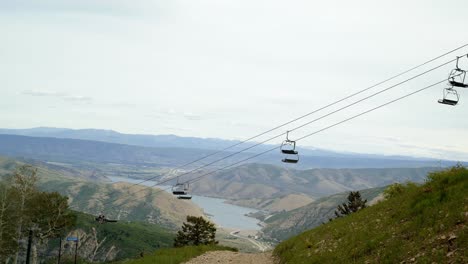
[{"x": 232, "y": 69}]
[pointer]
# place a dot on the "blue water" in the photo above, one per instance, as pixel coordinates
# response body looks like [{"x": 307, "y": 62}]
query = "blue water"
[{"x": 223, "y": 214}]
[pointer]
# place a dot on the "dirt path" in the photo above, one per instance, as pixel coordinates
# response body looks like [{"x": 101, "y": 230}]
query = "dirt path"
[
  {"x": 259, "y": 245},
  {"x": 217, "y": 257}
]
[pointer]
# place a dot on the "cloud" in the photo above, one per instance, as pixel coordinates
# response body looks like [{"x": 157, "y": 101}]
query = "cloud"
[
  {"x": 117, "y": 7},
  {"x": 43, "y": 93},
  {"x": 192, "y": 117},
  {"x": 63, "y": 96},
  {"x": 77, "y": 98}
]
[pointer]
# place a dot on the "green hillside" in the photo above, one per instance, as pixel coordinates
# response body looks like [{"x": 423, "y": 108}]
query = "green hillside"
[{"x": 421, "y": 224}]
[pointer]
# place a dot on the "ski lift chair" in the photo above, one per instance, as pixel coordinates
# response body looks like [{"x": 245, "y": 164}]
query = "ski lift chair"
[
  {"x": 179, "y": 189},
  {"x": 450, "y": 97},
  {"x": 288, "y": 147},
  {"x": 457, "y": 77}
]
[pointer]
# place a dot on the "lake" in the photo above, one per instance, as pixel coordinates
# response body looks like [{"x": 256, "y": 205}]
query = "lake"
[{"x": 221, "y": 213}]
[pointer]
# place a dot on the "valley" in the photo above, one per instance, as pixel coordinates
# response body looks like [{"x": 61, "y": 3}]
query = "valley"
[{"x": 254, "y": 205}]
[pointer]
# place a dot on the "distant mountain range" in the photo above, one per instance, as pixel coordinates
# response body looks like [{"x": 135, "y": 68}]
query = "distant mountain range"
[{"x": 94, "y": 145}]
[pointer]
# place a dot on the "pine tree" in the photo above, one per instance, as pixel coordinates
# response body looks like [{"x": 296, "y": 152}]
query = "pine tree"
[
  {"x": 196, "y": 231},
  {"x": 355, "y": 203}
]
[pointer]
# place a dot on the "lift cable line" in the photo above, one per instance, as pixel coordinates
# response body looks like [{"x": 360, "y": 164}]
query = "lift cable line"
[
  {"x": 296, "y": 128},
  {"x": 305, "y": 115},
  {"x": 301, "y": 138},
  {"x": 322, "y": 129}
]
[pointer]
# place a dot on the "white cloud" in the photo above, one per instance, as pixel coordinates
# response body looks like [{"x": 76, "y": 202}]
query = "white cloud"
[{"x": 63, "y": 96}]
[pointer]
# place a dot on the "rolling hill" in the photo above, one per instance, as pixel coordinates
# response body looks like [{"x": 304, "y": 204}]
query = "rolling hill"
[
  {"x": 119, "y": 201},
  {"x": 254, "y": 184}
]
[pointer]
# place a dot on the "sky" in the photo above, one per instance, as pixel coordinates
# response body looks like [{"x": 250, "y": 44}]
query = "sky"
[{"x": 233, "y": 69}]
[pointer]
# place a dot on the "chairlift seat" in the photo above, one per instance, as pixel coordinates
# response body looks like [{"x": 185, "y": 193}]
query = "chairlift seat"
[
  {"x": 179, "y": 192},
  {"x": 288, "y": 160},
  {"x": 448, "y": 102},
  {"x": 289, "y": 151},
  {"x": 458, "y": 84}
]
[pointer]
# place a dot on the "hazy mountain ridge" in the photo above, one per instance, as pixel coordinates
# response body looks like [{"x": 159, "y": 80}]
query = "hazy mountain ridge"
[
  {"x": 110, "y": 136},
  {"x": 170, "y": 150}
]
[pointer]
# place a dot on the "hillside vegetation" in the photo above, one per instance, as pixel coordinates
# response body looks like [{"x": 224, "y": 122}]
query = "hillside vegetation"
[
  {"x": 284, "y": 225},
  {"x": 114, "y": 241},
  {"x": 421, "y": 224}
]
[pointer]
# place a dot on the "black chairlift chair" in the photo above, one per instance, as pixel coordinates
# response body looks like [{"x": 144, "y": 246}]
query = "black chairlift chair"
[
  {"x": 180, "y": 188},
  {"x": 288, "y": 147},
  {"x": 450, "y": 97},
  {"x": 101, "y": 219},
  {"x": 457, "y": 77}
]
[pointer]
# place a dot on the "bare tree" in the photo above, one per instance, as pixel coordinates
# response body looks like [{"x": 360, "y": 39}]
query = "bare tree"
[{"x": 23, "y": 185}]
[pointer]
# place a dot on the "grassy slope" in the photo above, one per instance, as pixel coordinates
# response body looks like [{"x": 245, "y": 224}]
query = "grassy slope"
[
  {"x": 176, "y": 255},
  {"x": 423, "y": 224}
]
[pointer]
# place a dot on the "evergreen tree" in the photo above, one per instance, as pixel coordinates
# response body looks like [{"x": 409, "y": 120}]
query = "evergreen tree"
[
  {"x": 196, "y": 231},
  {"x": 355, "y": 203}
]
